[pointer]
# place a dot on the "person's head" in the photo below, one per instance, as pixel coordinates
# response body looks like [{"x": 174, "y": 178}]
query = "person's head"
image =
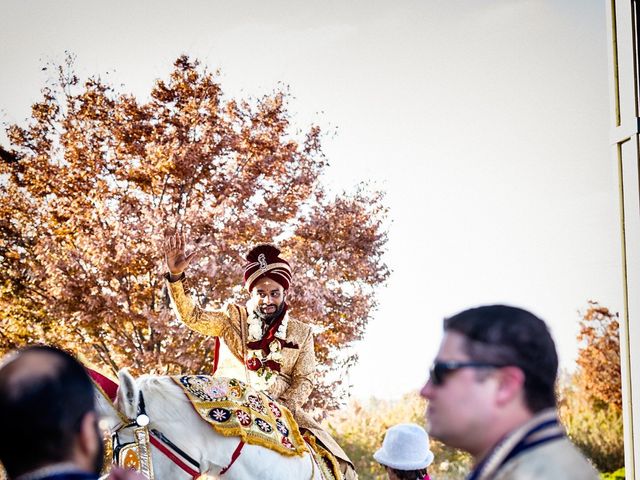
[
  {"x": 497, "y": 366},
  {"x": 405, "y": 452},
  {"x": 267, "y": 278},
  {"x": 47, "y": 412}
]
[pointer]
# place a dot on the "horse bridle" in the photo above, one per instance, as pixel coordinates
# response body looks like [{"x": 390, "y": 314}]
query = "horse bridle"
[
  {"x": 138, "y": 453},
  {"x": 144, "y": 436}
]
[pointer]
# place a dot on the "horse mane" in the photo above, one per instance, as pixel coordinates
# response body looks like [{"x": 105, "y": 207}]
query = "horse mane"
[{"x": 163, "y": 397}]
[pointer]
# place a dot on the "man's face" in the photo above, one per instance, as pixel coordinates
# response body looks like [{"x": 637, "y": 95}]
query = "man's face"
[
  {"x": 463, "y": 404},
  {"x": 269, "y": 296}
]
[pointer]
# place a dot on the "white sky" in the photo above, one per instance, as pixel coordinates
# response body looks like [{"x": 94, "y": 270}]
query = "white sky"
[{"x": 486, "y": 121}]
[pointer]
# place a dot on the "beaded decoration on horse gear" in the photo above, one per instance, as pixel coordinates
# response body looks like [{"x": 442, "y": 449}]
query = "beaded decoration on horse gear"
[
  {"x": 326, "y": 462},
  {"x": 136, "y": 455},
  {"x": 234, "y": 409}
]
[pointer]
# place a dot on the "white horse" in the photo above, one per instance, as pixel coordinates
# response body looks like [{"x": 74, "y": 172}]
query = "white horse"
[{"x": 173, "y": 418}]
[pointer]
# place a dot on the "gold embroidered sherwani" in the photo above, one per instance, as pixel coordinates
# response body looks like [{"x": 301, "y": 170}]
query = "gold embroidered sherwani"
[{"x": 295, "y": 380}]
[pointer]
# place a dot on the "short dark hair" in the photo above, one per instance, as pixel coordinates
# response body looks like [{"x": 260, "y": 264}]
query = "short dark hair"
[
  {"x": 506, "y": 335},
  {"x": 42, "y": 414},
  {"x": 409, "y": 474}
]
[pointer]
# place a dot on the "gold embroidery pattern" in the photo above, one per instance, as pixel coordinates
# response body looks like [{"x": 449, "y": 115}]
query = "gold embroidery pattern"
[{"x": 234, "y": 409}]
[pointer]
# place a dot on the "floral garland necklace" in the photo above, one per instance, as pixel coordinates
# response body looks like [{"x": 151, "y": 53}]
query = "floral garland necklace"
[{"x": 265, "y": 354}]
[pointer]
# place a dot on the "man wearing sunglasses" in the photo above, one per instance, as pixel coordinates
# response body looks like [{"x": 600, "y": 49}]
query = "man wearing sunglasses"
[{"x": 491, "y": 392}]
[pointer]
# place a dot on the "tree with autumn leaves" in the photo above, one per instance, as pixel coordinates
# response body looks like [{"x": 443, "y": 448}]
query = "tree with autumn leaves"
[
  {"x": 94, "y": 182},
  {"x": 591, "y": 401},
  {"x": 599, "y": 356}
]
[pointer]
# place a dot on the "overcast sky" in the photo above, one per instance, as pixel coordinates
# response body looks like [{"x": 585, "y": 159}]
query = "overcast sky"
[{"x": 485, "y": 121}]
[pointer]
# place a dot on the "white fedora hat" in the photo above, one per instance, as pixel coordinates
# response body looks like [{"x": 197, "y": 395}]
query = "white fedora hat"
[{"x": 405, "y": 447}]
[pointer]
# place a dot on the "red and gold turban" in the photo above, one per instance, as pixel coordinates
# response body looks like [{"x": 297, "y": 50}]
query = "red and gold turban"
[{"x": 264, "y": 261}]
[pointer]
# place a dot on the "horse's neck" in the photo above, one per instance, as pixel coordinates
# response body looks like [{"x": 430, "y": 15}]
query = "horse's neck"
[{"x": 172, "y": 414}]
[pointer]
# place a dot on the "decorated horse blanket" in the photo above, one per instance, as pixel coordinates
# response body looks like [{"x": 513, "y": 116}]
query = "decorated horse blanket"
[{"x": 233, "y": 408}]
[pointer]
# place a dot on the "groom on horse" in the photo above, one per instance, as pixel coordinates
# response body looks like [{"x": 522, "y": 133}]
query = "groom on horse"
[{"x": 275, "y": 350}]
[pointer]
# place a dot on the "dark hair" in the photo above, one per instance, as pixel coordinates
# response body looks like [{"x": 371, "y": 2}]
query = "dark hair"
[
  {"x": 42, "y": 413},
  {"x": 409, "y": 474},
  {"x": 512, "y": 336}
]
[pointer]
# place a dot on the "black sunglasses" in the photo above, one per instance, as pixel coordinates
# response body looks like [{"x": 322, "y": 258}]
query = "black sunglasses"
[{"x": 440, "y": 370}]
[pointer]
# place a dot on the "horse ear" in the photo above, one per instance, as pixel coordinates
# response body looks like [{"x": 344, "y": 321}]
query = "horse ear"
[{"x": 127, "y": 394}]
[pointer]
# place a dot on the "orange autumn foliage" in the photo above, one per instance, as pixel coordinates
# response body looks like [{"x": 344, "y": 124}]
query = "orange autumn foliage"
[
  {"x": 599, "y": 356},
  {"x": 95, "y": 180},
  {"x": 590, "y": 403}
]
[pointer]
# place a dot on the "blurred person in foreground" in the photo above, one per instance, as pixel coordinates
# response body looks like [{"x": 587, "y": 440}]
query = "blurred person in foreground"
[
  {"x": 491, "y": 392},
  {"x": 48, "y": 423},
  {"x": 405, "y": 452}
]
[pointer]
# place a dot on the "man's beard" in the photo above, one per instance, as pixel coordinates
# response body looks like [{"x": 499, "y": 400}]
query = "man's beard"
[{"x": 268, "y": 317}]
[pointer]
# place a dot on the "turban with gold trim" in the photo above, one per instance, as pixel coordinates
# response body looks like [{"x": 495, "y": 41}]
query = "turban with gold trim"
[{"x": 264, "y": 261}]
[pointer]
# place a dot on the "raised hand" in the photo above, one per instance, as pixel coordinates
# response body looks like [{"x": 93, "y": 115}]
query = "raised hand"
[{"x": 174, "y": 254}]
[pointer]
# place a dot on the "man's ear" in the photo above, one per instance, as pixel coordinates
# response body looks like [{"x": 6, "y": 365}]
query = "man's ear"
[
  {"x": 510, "y": 384},
  {"x": 88, "y": 438}
]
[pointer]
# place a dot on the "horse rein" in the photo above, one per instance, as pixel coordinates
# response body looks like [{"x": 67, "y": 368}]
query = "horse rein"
[
  {"x": 135, "y": 454},
  {"x": 144, "y": 436}
]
